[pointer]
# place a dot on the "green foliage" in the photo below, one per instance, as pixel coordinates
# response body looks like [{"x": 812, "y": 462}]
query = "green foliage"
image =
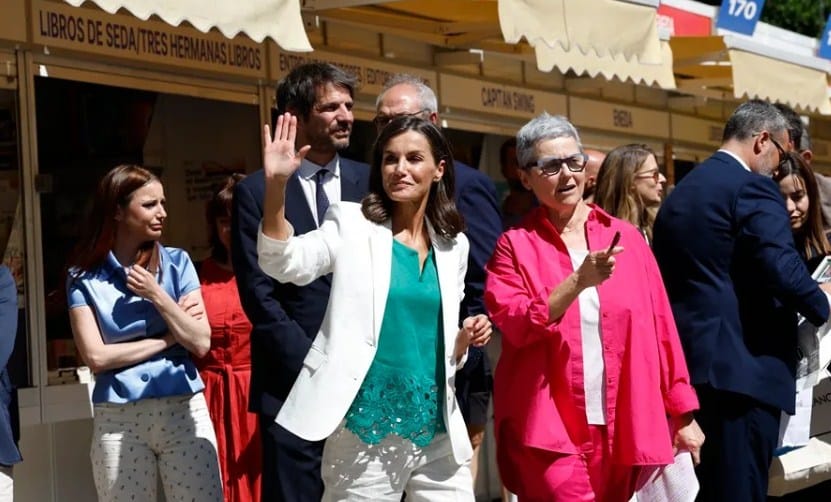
[{"x": 802, "y": 16}]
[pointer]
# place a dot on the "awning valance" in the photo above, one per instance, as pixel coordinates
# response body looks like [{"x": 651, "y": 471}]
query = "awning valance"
[
  {"x": 611, "y": 38},
  {"x": 583, "y": 36},
  {"x": 609, "y": 66},
  {"x": 279, "y": 20},
  {"x": 725, "y": 67}
]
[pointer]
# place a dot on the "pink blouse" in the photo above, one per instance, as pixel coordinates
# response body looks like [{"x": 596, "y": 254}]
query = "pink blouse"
[{"x": 539, "y": 397}]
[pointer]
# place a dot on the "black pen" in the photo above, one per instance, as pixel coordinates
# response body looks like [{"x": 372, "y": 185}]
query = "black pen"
[{"x": 615, "y": 240}]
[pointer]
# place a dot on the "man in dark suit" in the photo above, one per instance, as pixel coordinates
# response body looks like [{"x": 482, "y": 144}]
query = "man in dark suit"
[
  {"x": 476, "y": 200},
  {"x": 285, "y": 317},
  {"x": 735, "y": 281}
]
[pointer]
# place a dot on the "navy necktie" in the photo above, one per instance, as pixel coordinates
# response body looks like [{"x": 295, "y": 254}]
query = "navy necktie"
[{"x": 321, "y": 200}]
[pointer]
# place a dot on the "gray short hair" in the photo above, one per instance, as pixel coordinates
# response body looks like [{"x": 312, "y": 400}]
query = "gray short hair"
[
  {"x": 752, "y": 117},
  {"x": 540, "y": 128},
  {"x": 426, "y": 96}
]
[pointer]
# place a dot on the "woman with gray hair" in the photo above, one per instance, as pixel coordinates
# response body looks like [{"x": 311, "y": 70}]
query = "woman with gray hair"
[{"x": 591, "y": 363}]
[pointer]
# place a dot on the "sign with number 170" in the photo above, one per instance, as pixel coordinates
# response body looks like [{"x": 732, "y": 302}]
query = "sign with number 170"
[
  {"x": 825, "y": 44},
  {"x": 740, "y": 16}
]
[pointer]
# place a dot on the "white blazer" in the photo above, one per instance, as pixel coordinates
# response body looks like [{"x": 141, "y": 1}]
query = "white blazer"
[{"x": 358, "y": 253}]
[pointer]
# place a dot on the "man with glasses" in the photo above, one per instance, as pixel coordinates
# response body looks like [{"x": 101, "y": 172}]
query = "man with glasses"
[
  {"x": 735, "y": 280},
  {"x": 475, "y": 197}
]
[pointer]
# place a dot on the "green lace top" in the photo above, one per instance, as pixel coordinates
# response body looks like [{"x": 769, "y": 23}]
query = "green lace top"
[{"x": 403, "y": 391}]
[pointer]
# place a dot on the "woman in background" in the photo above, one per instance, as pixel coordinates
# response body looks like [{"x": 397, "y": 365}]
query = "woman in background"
[
  {"x": 226, "y": 369},
  {"x": 798, "y": 187},
  {"x": 137, "y": 315},
  {"x": 630, "y": 186}
]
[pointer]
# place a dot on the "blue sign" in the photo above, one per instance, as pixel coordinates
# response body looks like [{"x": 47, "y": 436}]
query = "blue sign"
[
  {"x": 740, "y": 16},
  {"x": 825, "y": 43}
]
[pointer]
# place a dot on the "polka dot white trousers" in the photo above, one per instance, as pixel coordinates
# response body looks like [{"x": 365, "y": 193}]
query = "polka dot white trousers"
[{"x": 173, "y": 436}]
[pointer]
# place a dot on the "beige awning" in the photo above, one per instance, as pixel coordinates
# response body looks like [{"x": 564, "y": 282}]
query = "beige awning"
[
  {"x": 277, "y": 19},
  {"x": 605, "y": 27},
  {"x": 611, "y": 38},
  {"x": 583, "y": 36},
  {"x": 609, "y": 66},
  {"x": 724, "y": 67}
]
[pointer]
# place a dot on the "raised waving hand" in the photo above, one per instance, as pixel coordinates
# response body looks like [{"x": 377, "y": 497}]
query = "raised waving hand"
[{"x": 280, "y": 159}]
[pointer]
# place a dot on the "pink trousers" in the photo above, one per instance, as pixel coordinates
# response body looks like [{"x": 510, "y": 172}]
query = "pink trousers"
[{"x": 546, "y": 476}]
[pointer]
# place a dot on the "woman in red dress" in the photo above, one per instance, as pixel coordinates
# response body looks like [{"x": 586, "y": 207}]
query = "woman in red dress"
[{"x": 227, "y": 367}]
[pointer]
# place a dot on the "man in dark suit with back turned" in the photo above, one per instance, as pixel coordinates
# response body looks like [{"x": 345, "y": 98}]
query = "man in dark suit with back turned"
[
  {"x": 475, "y": 197},
  {"x": 735, "y": 281},
  {"x": 286, "y": 317}
]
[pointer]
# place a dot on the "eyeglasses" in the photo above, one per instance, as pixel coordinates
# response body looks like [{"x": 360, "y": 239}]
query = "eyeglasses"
[
  {"x": 783, "y": 155},
  {"x": 381, "y": 121},
  {"x": 655, "y": 174},
  {"x": 550, "y": 166}
]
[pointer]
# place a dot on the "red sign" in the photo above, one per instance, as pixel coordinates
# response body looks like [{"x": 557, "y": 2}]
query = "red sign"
[{"x": 680, "y": 23}]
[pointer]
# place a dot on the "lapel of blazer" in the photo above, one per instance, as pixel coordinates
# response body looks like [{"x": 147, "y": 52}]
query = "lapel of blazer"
[
  {"x": 380, "y": 249},
  {"x": 349, "y": 182},
  {"x": 447, "y": 269}
]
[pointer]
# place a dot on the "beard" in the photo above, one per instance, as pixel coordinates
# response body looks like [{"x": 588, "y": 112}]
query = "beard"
[
  {"x": 328, "y": 143},
  {"x": 340, "y": 144}
]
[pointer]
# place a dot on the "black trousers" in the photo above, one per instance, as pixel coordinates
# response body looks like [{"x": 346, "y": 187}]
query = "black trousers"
[
  {"x": 740, "y": 436},
  {"x": 291, "y": 465}
]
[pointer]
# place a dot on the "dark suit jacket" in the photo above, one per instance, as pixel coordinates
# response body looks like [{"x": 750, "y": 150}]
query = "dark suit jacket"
[
  {"x": 735, "y": 280},
  {"x": 9, "y": 454},
  {"x": 285, "y": 317},
  {"x": 477, "y": 202}
]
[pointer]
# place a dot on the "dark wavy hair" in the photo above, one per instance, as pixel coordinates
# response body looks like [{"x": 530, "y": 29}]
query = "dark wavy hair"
[
  {"x": 115, "y": 190},
  {"x": 810, "y": 239},
  {"x": 219, "y": 206},
  {"x": 297, "y": 91},
  {"x": 441, "y": 211}
]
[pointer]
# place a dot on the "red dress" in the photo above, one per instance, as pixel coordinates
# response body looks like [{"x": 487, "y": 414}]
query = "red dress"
[{"x": 226, "y": 371}]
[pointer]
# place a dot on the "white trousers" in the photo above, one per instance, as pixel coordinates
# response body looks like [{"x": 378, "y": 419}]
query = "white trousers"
[
  {"x": 173, "y": 436},
  {"x": 355, "y": 471},
  {"x": 6, "y": 483}
]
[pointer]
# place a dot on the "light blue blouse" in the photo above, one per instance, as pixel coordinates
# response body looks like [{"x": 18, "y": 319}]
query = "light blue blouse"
[{"x": 123, "y": 316}]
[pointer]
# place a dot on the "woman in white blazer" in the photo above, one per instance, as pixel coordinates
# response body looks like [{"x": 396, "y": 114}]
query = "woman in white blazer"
[{"x": 378, "y": 379}]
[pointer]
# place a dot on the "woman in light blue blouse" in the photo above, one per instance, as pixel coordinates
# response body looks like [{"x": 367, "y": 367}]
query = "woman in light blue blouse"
[
  {"x": 378, "y": 378},
  {"x": 137, "y": 314}
]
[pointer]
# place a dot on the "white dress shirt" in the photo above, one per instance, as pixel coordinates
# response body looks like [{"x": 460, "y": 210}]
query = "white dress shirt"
[{"x": 331, "y": 183}]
